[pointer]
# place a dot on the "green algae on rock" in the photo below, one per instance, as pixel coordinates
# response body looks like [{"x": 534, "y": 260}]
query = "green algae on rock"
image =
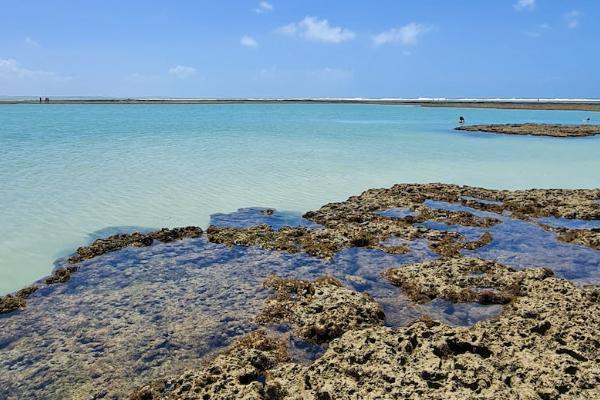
[{"x": 554, "y": 130}]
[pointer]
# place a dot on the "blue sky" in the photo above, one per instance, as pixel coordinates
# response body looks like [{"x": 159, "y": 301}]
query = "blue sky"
[{"x": 303, "y": 48}]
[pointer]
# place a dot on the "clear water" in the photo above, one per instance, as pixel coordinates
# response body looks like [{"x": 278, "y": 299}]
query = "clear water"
[
  {"x": 67, "y": 171},
  {"x": 139, "y": 313},
  {"x": 522, "y": 244},
  {"x": 136, "y": 314}
]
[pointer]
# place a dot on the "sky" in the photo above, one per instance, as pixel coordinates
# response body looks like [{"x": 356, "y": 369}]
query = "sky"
[{"x": 300, "y": 48}]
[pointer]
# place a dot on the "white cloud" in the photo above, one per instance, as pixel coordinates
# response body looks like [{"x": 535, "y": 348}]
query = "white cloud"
[
  {"x": 248, "y": 41},
  {"x": 330, "y": 74},
  {"x": 407, "y": 35},
  {"x": 319, "y": 30},
  {"x": 182, "y": 71},
  {"x": 31, "y": 43},
  {"x": 538, "y": 31},
  {"x": 10, "y": 69},
  {"x": 528, "y": 5},
  {"x": 572, "y": 18},
  {"x": 264, "y": 7}
]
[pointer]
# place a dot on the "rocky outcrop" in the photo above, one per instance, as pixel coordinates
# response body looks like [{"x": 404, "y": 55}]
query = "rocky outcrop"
[
  {"x": 357, "y": 223},
  {"x": 584, "y": 237},
  {"x": 136, "y": 239},
  {"x": 554, "y": 130},
  {"x": 543, "y": 346},
  {"x": 320, "y": 310},
  {"x": 461, "y": 280},
  {"x": 12, "y": 302},
  {"x": 238, "y": 373}
]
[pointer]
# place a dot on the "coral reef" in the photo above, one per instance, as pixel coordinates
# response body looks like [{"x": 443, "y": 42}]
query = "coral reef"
[
  {"x": 554, "y": 130},
  {"x": 321, "y": 310},
  {"x": 543, "y": 346},
  {"x": 116, "y": 242}
]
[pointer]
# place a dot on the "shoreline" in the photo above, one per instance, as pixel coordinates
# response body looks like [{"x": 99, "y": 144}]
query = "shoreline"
[
  {"x": 524, "y": 104},
  {"x": 171, "y": 326}
]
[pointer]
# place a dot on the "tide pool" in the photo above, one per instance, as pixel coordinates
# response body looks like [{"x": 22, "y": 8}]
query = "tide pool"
[{"x": 68, "y": 172}]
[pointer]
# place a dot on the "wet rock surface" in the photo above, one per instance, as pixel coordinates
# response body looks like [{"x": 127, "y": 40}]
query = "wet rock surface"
[
  {"x": 461, "y": 280},
  {"x": 237, "y": 373},
  {"x": 12, "y": 302},
  {"x": 544, "y": 345},
  {"x": 320, "y": 310},
  {"x": 146, "y": 313},
  {"x": 360, "y": 222},
  {"x": 585, "y": 237},
  {"x": 554, "y": 130},
  {"x": 136, "y": 239}
]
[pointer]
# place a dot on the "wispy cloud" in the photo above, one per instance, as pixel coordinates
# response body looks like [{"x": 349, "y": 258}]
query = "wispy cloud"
[
  {"x": 329, "y": 74},
  {"x": 312, "y": 28},
  {"x": 248, "y": 41},
  {"x": 572, "y": 18},
  {"x": 10, "y": 69},
  {"x": 264, "y": 7},
  {"x": 407, "y": 35},
  {"x": 29, "y": 42},
  {"x": 182, "y": 71},
  {"x": 528, "y": 5},
  {"x": 538, "y": 31}
]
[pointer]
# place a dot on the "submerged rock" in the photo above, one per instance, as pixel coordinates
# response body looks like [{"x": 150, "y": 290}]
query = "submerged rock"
[
  {"x": 320, "y": 310},
  {"x": 585, "y": 237},
  {"x": 555, "y": 130}
]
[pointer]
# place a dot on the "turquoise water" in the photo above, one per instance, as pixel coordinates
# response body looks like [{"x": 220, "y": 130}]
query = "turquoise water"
[{"x": 68, "y": 172}]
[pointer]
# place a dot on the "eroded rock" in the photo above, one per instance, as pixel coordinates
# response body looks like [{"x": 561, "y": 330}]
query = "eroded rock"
[
  {"x": 320, "y": 310},
  {"x": 238, "y": 373},
  {"x": 12, "y": 302},
  {"x": 554, "y": 130},
  {"x": 136, "y": 239}
]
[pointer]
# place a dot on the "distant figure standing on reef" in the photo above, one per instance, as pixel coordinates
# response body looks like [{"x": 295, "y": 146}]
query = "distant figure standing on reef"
[
  {"x": 40, "y": 99},
  {"x": 47, "y": 99},
  {"x": 461, "y": 120}
]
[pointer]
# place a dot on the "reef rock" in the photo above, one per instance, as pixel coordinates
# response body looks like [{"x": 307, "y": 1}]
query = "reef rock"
[
  {"x": 136, "y": 239},
  {"x": 321, "y": 310}
]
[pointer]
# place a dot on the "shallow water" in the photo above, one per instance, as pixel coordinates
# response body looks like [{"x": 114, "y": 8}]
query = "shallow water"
[
  {"x": 68, "y": 170},
  {"x": 139, "y": 313},
  {"x": 524, "y": 244}
]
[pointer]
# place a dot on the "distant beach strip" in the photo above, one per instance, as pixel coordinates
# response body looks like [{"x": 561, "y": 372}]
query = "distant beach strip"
[{"x": 528, "y": 104}]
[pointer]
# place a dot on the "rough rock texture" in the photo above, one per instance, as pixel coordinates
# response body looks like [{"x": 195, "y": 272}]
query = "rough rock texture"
[
  {"x": 12, "y": 302},
  {"x": 356, "y": 223},
  {"x": 461, "y": 280},
  {"x": 545, "y": 345},
  {"x": 116, "y": 242},
  {"x": 555, "y": 130},
  {"x": 321, "y": 310},
  {"x": 585, "y": 237},
  {"x": 238, "y": 373}
]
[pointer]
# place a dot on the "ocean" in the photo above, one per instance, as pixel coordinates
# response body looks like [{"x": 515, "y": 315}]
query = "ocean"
[{"x": 71, "y": 173}]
